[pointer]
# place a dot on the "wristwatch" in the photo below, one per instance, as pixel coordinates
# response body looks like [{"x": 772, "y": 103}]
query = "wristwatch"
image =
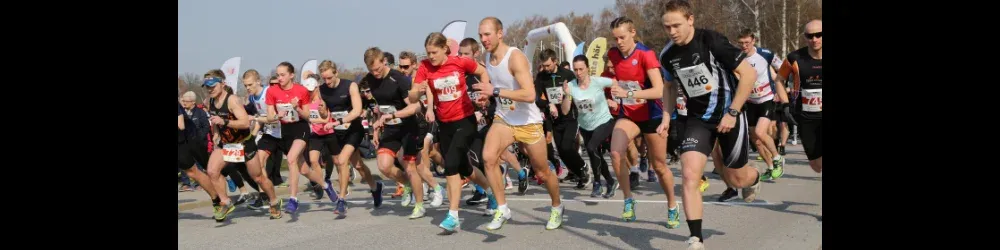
[
  {"x": 733, "y": 112},
  {"x": 496, "y": 92},
  {"x": 630, "y": 94}
]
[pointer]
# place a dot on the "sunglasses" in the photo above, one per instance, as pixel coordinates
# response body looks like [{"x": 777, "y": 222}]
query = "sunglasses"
[
  {"x": 814, "y": 35},
  {"x": 404, "y": 66}
]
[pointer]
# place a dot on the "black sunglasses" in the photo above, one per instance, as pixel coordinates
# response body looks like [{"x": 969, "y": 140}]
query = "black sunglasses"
[
  {"x": 404, "y": 66},
  {"x": 814, "y": 35}
]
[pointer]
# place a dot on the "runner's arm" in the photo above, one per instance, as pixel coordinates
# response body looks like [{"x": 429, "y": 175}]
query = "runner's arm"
[
  {"x": 242, "y": 119},
  {"x": 522, "y": 74},
  {"x": 180, "y": 122},
  {"x": 566, "y": 103},
  {"x": 747, "y": 75},
  {"x": 356, "y": 104},
  {"x": 669, "y": 93},
  {"x": 782, "y": 95},
  {"x": 654, "y": 92}
]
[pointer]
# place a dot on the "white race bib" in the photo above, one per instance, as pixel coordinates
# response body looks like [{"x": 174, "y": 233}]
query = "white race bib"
[
  {"x": 388, "y": 110},
  {"x": 313, "y": 114},
  {"x": 682, "y": 106},
  {"x": 555, "y": 94},
  {"x": 340, "y": 115},
  {"x": 760, "y": 90},
  {"x": 292, "y": 116},
  {"x": 584, "y": 105},
  {"x": 506, "y": 104},
  {"x": 481, "y": 122},
  {"x": 473, "y": 95},
  {"x": 232, "y": 152},
  {"x": 447, "y": 88},
  {"x": 630, "y": 86},
  {"x": 812, "y": 100},
  {"x": 697, "y": 81}
]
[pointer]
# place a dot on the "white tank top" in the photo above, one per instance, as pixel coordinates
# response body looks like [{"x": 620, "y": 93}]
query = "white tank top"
[{"x": 513, "y": 113}]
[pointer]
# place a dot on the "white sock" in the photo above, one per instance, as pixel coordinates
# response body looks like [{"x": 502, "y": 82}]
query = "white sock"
[
  {"x": 777, "y": 157},
  {"x": 504, "y": 208},
  {"x": 674, "y": 208},
  {"x": 560, "y": 208},
  {"x": 453, "y": 213},
  {"x": 635, "y": 169},
  {"x": 293, "y": 198}
]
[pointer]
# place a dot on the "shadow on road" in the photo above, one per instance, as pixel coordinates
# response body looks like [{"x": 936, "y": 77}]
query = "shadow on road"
[
  {"x": 472, "y": 221},
  {"x": 635, "y": 237},
  {"x": 185, "y": 201},
  {"x": 784, "y": 209}
]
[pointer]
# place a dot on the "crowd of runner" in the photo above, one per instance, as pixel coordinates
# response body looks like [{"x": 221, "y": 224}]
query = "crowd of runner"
[{"x": 470, "y": 121}]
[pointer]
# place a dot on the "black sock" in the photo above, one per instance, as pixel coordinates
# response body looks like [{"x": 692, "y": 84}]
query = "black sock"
[
  {"x": 216, "y": 201},
  {"x": 695, "y": 227}
]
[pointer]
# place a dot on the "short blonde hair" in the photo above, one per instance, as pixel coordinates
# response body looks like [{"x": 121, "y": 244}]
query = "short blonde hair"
[{"x": 189, "y": 96}]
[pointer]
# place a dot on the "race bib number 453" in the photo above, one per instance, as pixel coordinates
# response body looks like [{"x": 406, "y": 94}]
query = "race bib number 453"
[
  {"x": 812, "y": 100},
  {"x": 697, "y": 80},
  {"x": 555, "y": 95},
  {"x": 232, "y": 152},
  {"x": 447, "y": 88}
]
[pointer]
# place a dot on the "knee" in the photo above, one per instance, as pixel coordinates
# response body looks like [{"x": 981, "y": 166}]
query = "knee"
[
  {"x": 491, "y": 158},
  {"x": 616, "y": 155}
]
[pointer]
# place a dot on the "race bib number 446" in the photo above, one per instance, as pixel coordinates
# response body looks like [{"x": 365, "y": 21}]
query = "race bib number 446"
[
  {"x": 447, "y": 88},
  {"x": 232, "y": 152},
  {"x": 630, "y": 86},
  {"x": 812, "y": 100},
  {"x": 697, "y": 80},
  {"x": 555, "y": 94}
]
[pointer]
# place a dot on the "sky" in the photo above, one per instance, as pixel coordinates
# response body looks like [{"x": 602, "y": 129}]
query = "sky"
[{"x": 267, "y": 32}]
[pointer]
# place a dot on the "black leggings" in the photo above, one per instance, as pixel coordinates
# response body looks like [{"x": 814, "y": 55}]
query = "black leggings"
[
  {"x": 236, "y": 172},
  {"x": 564, "y": 133},
  {"x": 456, "y": 139},
  {"x": 273, "y": 169},
  {"x": 594, "y": 140}
]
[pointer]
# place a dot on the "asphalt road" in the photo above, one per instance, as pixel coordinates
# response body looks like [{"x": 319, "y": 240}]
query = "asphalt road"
[{"x": 786, "y": 215}]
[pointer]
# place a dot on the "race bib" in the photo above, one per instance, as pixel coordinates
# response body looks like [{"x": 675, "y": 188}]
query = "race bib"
[
  {"x": 269, "y": 127},
  {"x": 697, "y": 80},
  {"x": 481, "y": 122},
  {"x": 682, "y": 106},
  {"x": 630, "y": 86},
  {"x": 388, "y": 110},
  {"x": 291, "y": 116},
  {"x": 447, "y": 88},
  {"x": 555, "y": 94},
  {"x": 232, "y": 152},
  {"x": 473, "y": 95},
  {"x": 506, "y": 104},
  {"x": 584, "y": 105},
  {"x": 313, "y": 114},
  {"x": 340, "y": 115},
  {"x": 760, "y": 90},
  {"x": 812, "y": 100}
]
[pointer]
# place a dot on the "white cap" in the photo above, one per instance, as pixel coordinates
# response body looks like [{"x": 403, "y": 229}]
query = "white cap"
[{"x": 310, "y": 84}]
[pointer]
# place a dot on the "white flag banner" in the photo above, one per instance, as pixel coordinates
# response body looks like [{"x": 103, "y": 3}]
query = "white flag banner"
[
  {"x": 455, "y": 32},
  {"x": 311, "y": 65},
  {"x": 231, "y": 68}
]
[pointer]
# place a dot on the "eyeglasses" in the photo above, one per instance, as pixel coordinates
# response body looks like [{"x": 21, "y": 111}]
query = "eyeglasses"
[
  {"x": 404, "y": 66},
  {"x": 814, "y": 35}
]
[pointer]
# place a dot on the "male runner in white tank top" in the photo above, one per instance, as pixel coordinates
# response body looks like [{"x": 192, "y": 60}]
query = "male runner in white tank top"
[{"x": 517, "y": 119}]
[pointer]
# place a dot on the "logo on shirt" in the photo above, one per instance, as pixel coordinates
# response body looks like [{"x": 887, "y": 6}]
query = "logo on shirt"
[
  {"x": 634, "y": 62},
  {"x": 695, "y": 59}
]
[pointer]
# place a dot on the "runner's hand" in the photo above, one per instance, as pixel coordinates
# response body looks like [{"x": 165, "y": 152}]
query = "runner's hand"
[
  {"x": 482, "y": 101},
  {"x": 612, "y": 105},
  {"x": 430, "y": 116},
  {"x": 215, "y": 120},
  {"x": 295, "y": 102},
  {"x": 728, "y": 122},
  {"x": 385, "y": 118},
  {"x": 330, "y": 125},
  {"x": 375, "y": 139},
  {"x": 663, "y": 128},
  {"x": 618, "y": 91},
  {"x": 484, "y": 88},
  {"x": 422, "y": 87},
  {"x": 553, "y": 111}
]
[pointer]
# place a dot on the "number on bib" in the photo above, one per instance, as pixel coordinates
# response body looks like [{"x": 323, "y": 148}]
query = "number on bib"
[
  {"x": 584, "y": 105},
  {"x": 506, "y": 104},
  {"x": 473, "y": 95},
  {"x": 232, "y": 152},
  {"x": 760, "y": 90},
  {"x": 630, "y": 86},
  {"x": 340, "y": 115},
  {"x": 388, "y": 110},
  {"x": 313, "y": 114},
  {"x": 697, "y": 80},
  {"x": 555, "y": 95},
  {"x": 447, "y": 88},
  {"x": 812, "y": 100},
  {"x": 292, "y": 116}
]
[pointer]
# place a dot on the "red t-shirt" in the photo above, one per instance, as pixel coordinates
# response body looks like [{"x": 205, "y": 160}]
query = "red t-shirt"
[
  {"x": 451, "y": 103},
  {"x": 276, "y": 95},
  {"x": 632, "y": 70}
]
